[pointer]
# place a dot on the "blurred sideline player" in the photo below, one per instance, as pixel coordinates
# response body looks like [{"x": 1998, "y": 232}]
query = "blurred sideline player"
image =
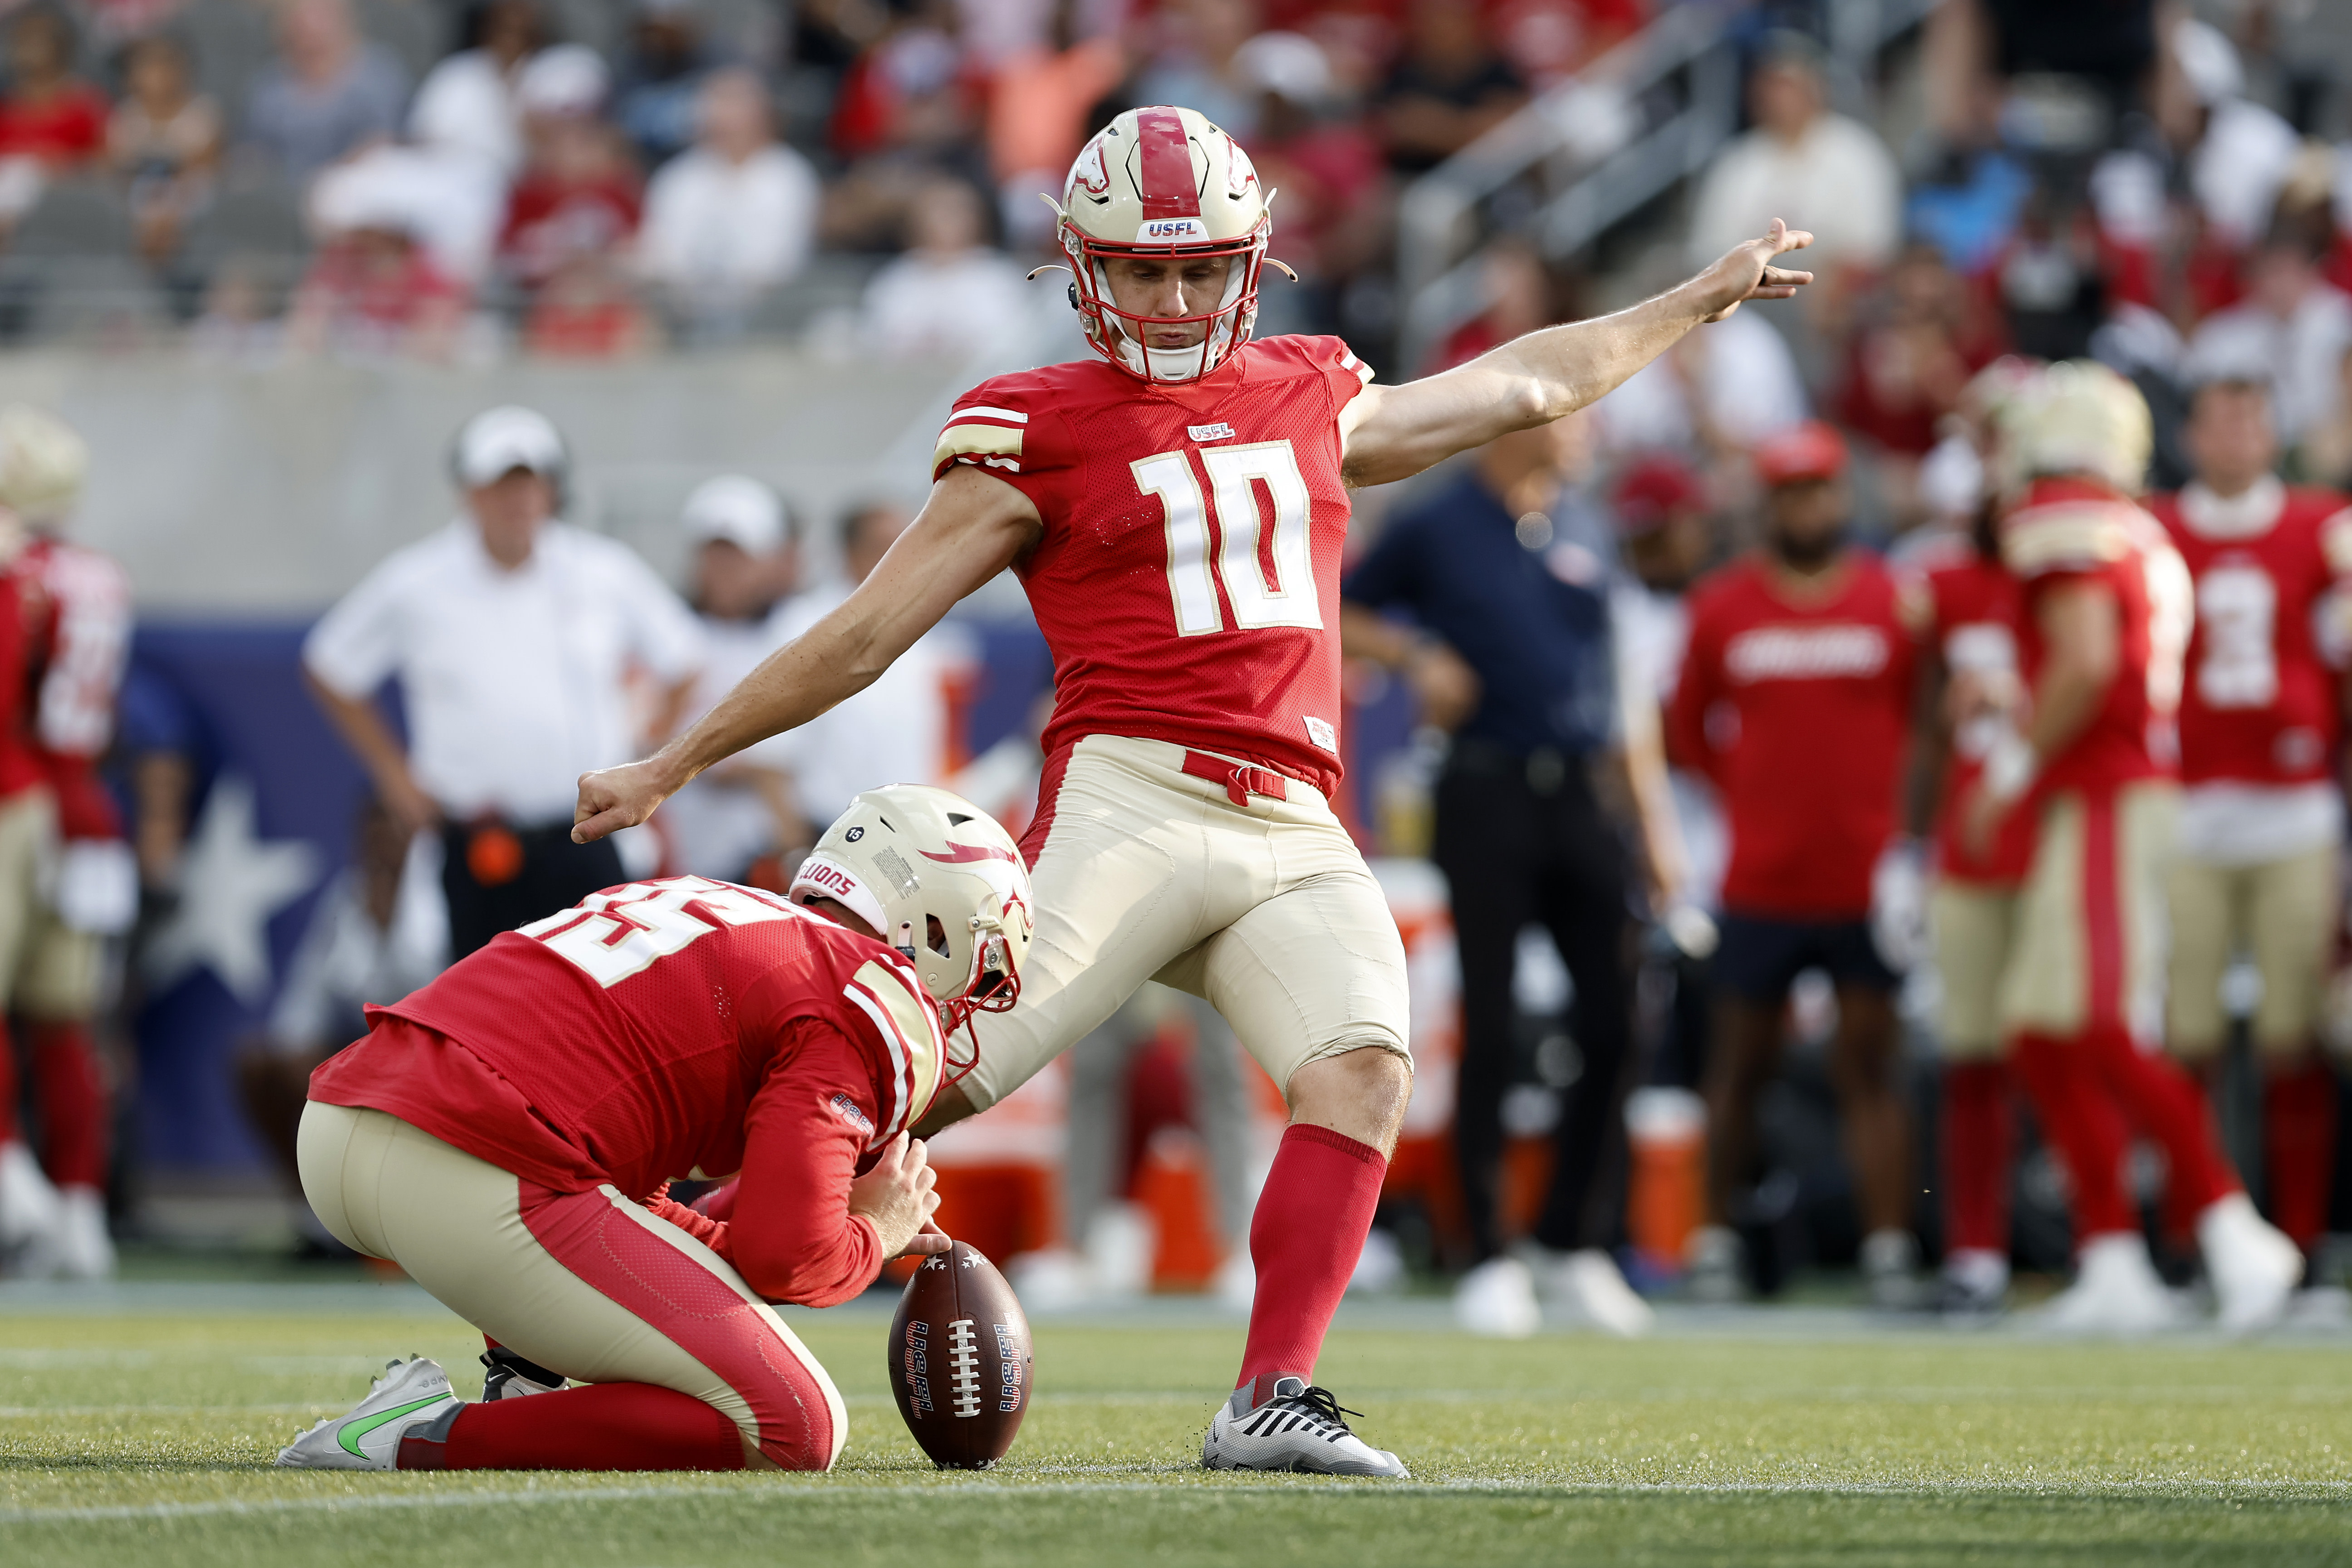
[
  {"x": 1795, "y": 699},
  {"x": 2105, "y": 622},
  {"x": 2261, "y": 811},
  {"x": 508, "y": 1134},
  {"x": 899, "y": 727},
  {"x": 1177, "y": 513},
  {"x": 75, "y": 605},
  {"x": 1971, "y": 699},
  {"x": 746, "y": 564}
]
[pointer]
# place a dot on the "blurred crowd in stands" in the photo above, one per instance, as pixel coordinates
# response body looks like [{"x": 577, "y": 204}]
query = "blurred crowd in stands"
[{"x": 597, "y": 177}]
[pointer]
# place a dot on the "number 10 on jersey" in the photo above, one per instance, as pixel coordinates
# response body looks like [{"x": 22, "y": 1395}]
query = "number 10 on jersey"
[{"x": 1284, "y": 597}]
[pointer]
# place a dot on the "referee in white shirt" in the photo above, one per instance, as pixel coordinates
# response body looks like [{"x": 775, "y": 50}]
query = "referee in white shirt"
[{"x": 512, "y": 634}]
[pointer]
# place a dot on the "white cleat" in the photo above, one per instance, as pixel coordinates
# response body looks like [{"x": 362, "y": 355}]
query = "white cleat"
[
  {"x": 2253, "y": 1266},
  {"x": 1714, "y": 1266},
  {"x": 505, "y": 1376},
  {"x": 28, "y": 1210},
  {"x": 410, "y": 1394},
  {"x": 81, "y": 1245},
  {"x": 1297, "y": 1428},
  {"x": 1975, "y": 1286},
  {"x": 2117, "y": 1291},
  {"x": 1586, "y": 1288},
  {"x": 1498, "y": 1301},
  {"x": 1890, "y": 1270}
]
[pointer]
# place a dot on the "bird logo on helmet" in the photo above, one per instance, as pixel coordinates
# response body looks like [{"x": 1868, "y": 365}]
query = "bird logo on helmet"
[
  {"x": 1164, "y": 183},
  {"x": 940, "y": 882}
]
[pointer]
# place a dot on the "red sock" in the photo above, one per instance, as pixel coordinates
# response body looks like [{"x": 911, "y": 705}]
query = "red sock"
[
  {"x": 2079, "y": 1120},
  {"x": 2167, "y": 1104},
  {"x": 8, "y": 1130},
  {"x": 600, "y": 1427},
  {"x": 1304, "y": 1239},
  {"x": 2178, "y": 1212},
  {"x": 2299, "y": 1140},
  {"x": 72, "y": 1096},
  {"x": 1979, "y": 1139}
]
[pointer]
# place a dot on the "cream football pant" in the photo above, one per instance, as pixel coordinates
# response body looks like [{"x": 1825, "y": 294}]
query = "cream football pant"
[
  {"x": 2089, "y": 947},
  {"x": 2283, "y": 911},
  {"x": 588, "y": 1284},
  {"x": 1975, "y": 928},
  {"x": 1145, "y": 872}
]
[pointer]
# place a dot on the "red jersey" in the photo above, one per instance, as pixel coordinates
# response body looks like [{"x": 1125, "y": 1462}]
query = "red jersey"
[
  {"x": 20, "y": 602},
  {"x": 1973, "y": 605},
  {"x": 671, "y": 1029},
  {"x": 2068, "y": 530},
  {"x": 1187, "y": 580},
  {"x": 78, "y": 627},
  {"x": 2259, "y": 705},
  {"x": 1799, "y": 712}
]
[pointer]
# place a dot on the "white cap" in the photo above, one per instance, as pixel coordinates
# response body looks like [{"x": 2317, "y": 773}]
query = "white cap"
[
  {"x": 740, "y": 510},
  {"x": 2208, "y": 61},
  {"x": 372, "y": 191},
  {"x": 498, "y": 441},
  {"x": 1291, "y": 65},
  {"x": 564, "y": 79}
]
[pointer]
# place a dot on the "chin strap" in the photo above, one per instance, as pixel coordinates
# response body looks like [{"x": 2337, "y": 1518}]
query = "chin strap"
[{"x": 995, "y": 987}]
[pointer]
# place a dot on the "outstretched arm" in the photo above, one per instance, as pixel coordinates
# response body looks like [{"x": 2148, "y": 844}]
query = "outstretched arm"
[
  {"x": 1393, "y": 433},
  {"x": 972, "y": 527}
]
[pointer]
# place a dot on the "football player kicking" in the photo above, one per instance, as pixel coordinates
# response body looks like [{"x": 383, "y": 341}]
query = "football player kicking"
[
  {"x": 507, "y": 1135},
  {"x": 1176, "y": 511}
]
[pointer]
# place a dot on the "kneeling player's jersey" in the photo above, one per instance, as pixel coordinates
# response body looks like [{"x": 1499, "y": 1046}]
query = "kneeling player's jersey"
[
  {"x": 663, "y": 1030},
  {"x": 1973, "y": 604},
  {"x": 2071, "y": 530},
  {"x": 2259, "y": 706},
  {"x": 1187, "y": 580}
]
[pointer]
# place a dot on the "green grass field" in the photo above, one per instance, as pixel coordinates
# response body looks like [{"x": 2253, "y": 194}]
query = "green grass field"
[{"x": 146, "y": 1438}]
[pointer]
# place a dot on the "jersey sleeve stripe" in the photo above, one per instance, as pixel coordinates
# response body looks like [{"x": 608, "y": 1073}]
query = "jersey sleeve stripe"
[
  {"x": 2065, "y": 538},
  {"x": 901, "y": 1073},
  {"x": 914, "y": 1036},
  {"x": 1009, "y": 415},
  {"x": 992, "y": 444}
]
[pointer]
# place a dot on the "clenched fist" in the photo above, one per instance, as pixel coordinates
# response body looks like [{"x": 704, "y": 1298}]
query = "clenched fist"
[{"x": 611, "y": 799}]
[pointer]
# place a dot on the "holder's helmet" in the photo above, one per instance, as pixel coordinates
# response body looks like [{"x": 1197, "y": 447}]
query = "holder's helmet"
[
  {"x": 1164, "y": 182},
  {"x": 940, "y": 882}
]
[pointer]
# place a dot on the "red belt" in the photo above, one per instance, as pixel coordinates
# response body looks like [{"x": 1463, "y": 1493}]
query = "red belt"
[{"x": 1241, "y": 781}]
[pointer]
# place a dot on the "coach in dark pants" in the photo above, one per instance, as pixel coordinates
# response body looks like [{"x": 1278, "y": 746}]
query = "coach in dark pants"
[
  {"x": 1506, "y": 579},
  {"x": 510, "y": 633}
]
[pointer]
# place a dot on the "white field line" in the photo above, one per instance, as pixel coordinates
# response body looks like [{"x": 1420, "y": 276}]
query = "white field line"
[
  {"x": 36, "y": 1412},
  {"x": 787, "y": 1492}
]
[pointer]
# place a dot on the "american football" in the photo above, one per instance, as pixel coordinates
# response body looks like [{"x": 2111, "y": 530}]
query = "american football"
[{"x": 960, "y": 1360}]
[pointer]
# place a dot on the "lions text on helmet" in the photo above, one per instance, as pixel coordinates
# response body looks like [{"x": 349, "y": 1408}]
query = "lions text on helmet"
[
  {"x": 937, "y": 878},
  {"x": 1166, "y": 229}
]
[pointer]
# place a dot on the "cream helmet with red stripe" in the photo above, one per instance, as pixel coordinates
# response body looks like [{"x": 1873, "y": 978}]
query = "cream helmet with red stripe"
[
  {"x": 2074, "y": 417},
  {"x": 941, "y": 882},
  {"x": 1166, "y": 183}
]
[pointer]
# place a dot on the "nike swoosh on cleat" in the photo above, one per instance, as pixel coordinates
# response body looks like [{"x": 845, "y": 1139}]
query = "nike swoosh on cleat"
[
  {"x": 961, "y": 855},
  {"x": 348, "y": 1438}
]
